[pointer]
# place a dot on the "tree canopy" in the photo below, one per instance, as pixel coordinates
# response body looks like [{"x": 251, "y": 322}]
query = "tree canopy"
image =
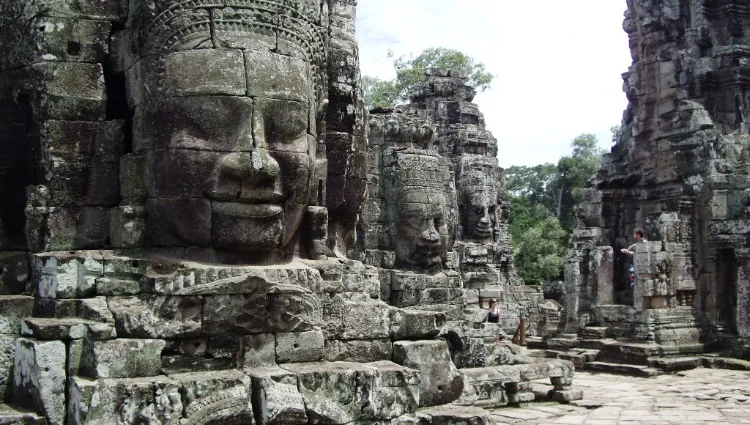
[
  {"x": 542, "y": 208},
  {"x": 410, "y": 69}
]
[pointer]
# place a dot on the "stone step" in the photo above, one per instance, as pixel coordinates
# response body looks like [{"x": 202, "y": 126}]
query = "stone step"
[
  {"x": 593, "y": 344},
  {"x": 16, "y": 416},
  {"x": 671, "y": 364},
  {"x": 628, "y": 352},
  {"x": 595, "y": 332},
  {"x": 66, "y": 329},
  {"x": 449, "y": 414},
  {"x": 536, "y": 342},
  {"x": 623, "y": 369},
  {"x": 725, "y": 363},
  {"x": 563, "y": 342},
  {"x": 578, "y": 357}
]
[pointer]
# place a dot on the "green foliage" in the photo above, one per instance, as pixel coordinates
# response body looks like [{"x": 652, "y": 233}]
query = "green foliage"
[
  {"x": 543, "y": 199},
  {"x": 535, "y": 184},
  {"x": 540, "y": 249},
  {"x": 410, "y": 71},
  {"x": 616, "y": 131},
  {"x": 572, "y": 174},
  {"x": 379, "y": 93}
]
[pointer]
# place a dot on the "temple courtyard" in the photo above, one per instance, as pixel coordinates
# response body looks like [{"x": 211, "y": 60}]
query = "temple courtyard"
[{"x": 698, "y": 396}]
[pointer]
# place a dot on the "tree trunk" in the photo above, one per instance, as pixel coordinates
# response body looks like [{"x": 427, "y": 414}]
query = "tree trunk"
[{"x": 559, "y": 201}]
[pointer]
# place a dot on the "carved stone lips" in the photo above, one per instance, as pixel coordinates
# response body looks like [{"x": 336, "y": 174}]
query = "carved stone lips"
[
  {"x": 483, "y": 230},
  {"x": 245, "y": 210},
  {"x": 428, "y": 254}
]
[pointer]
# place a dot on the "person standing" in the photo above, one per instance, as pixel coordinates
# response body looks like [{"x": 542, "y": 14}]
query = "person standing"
[
  {"x": 639, "y": 236},
  {"x": 493, "y": 314}
]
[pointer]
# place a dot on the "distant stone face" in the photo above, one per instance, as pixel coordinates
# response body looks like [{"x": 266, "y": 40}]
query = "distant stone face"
[
  {"x": 420, "y": 221},
  {"x": 478, "y": 198}
]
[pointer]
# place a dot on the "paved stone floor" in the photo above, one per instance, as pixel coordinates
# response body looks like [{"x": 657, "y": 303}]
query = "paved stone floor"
[{"x": 699, "y": 396}]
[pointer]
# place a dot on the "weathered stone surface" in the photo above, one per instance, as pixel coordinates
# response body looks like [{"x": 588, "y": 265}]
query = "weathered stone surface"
[
  {"x": 415, "y": 324},
  {"x": 15, "y": 272},
  {"x": 219, "y": 396},
  {"x": 276, "y": 399},
  {"x": 39, "y": 378},
  {"x": 13, "y": 309},
  {"x": 398, "y": 390},
  {"x": 66, "y": 329},
  {"x": 157, "y": 400},
  {"x": 335, "y": 393},
  {"x": 15, "y": 416},
  {"x": 122, "y": 358},
  {"x": 154, "y": 316},
  {"x": 238, "y": 314},
  {"x": 441, "y": 382},
  {"x": 259, "y": 351},
  {"x": 91, "y": 309},
  {"x": 299, "y": 347},
  {"x": 360, "y": 351}
]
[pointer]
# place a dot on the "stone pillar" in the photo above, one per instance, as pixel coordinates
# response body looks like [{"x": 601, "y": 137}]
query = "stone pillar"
[
  {"x": 603, "y": 271},
  {"x": 743, "y": 302}
]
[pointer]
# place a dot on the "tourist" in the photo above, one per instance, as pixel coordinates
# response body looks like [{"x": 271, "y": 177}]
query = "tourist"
[
  {"x": 493, "y": 314},
  {"x": 639, "y": 236}
]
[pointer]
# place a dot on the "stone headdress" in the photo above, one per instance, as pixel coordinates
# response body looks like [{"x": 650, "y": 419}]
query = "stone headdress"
[{"x": 290, "y": 27}]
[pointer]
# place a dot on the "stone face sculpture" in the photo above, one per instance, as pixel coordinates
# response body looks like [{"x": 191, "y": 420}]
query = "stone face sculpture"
[
  {"x": 234, "y": 118},
  {"x": 421, "y": 222},
  {"x": 478, "y": 198}
]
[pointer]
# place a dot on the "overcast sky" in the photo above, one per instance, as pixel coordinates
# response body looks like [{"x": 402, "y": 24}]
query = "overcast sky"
[{"x": 557, "y": 64}]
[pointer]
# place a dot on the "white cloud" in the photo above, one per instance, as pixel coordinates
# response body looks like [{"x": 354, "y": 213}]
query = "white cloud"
[{"x": 558, "y": 64}]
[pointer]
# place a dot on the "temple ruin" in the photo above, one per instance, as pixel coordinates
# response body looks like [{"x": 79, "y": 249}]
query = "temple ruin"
[
  {"x": 202, "y": 225},
  {"x": 680, "y": 171}
]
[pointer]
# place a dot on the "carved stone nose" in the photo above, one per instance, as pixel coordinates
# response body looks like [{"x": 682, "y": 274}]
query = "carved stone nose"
[
  {"x": 255, "y": 166},
  {"x": 431, "y": 235}
]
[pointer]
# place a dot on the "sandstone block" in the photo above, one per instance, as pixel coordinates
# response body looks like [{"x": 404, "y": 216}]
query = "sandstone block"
[
  {"x": 235, "y": 314},
  {"x": 360, "y": 351},
  {"x": 415, "y": 324},
  {"x": 441, "y": 381},
  {"x": 122, "y": 358},
  {"x": 216, "y": 397},
  {"x": 39, "y": 378},
  {"x": 259, "y": 351},
  {"x": 299, "y": 346},
  {"x": 276, "y": 399},
  {"x": 154, "y": 316}
]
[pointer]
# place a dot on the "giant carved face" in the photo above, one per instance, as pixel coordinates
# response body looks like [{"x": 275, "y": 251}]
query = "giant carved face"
[
  {"x": 479, "y": 200},
  {"x": 226, "y": 123},
  {"x": 420, "y": 211},
  {"x": 480, "y": 214},
  {"x": 231, "y": 172},
  {"x": 422, "y": 235}
]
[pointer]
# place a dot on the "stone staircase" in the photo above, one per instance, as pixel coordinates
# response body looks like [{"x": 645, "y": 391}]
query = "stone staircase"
[{"x": 595, "y": 349}]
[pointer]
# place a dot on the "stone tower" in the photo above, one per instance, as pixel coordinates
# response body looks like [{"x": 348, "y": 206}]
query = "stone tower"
[{"x": 679, "y": 170}]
